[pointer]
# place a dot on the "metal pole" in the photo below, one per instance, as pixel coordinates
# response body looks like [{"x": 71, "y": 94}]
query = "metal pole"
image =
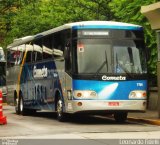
[{"x": 158, "y": 70}]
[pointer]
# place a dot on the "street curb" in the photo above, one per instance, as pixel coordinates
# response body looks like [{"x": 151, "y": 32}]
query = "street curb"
[{"x": 148, "y": 121}]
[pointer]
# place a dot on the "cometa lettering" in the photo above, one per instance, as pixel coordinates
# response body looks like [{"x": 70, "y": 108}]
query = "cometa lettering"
[{"x": 113, "y": 78}]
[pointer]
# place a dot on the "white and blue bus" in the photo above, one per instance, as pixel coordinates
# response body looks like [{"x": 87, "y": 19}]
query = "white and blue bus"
[{"x": 82, "y": 67}]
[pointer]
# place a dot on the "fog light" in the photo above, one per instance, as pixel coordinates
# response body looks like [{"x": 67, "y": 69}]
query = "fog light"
[
  {"x": 144, "y": 103},
  {"x": 79, "y": 103}
]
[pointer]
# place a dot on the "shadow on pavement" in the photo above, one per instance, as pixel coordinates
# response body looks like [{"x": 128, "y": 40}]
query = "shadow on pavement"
[{"x": 81, "y": 119}]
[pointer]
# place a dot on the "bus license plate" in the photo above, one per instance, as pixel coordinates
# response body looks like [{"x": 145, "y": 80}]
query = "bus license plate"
[{"x": 113, "y": 103}]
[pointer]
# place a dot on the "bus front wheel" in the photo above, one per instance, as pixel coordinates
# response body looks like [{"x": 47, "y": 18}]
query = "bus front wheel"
[
  {"x": 61, "y": 116},
  {"x": 120, "y": 117}
]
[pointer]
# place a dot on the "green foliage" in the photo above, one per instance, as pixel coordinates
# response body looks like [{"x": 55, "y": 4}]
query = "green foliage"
[
  {"x": 19, "y": 18},
  {"x": 33, "y": 16},
  {"x": 7, "y": 10},
  {"x": 129, "y": 11}
]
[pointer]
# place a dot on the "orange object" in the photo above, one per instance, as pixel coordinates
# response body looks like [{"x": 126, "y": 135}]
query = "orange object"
[
  {"x": 79, "y": 103},
  {"x": 3, "y": 119}
]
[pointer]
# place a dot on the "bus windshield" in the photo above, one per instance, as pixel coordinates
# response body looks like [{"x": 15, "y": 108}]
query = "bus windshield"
[
  {"x": 94, "y": 56},
  {"x": 102, "y": 56},
  {"x": 129, "y": 57}
]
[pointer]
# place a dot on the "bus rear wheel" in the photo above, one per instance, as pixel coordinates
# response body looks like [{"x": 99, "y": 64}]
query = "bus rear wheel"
[
  {"x": 23, "y": 111},
  {"x": 120, "y": 117},
  {"x": 17, "y": 106},
  {"x": 61, "y": 116}
]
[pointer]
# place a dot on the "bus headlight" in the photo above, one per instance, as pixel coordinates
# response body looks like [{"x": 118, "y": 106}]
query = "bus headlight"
[
  {"x": 137, "y": 94},
  {"x": 78, "y": 94}
]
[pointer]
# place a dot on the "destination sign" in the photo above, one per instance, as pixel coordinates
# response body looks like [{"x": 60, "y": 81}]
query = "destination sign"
[{"x": 95, "y": 33}]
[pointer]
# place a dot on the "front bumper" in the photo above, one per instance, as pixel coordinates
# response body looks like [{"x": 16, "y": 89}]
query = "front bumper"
[{"x": 101, "y": 105}]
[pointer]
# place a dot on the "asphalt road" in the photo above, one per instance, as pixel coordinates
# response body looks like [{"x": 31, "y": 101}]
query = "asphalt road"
[{"x": 45, "y": 125}]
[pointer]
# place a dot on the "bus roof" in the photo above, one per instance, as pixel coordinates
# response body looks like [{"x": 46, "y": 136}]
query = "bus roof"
[
  {"x": 28, "y": 47},
  {"x": 79, "y": 25},
  {"x": 104, "y": 25}
]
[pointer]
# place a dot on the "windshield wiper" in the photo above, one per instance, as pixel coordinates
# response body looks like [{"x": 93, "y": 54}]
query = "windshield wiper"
[{"x": 105, "y": 62}]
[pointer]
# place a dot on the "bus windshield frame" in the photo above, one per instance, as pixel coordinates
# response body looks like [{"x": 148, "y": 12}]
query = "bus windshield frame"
[{"x": 109, "y": 52}]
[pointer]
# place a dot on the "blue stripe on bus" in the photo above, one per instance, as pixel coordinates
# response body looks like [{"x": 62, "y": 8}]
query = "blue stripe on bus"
[
  {"x": 110, "y": 90},
  {"x": 107, "y": 27}
]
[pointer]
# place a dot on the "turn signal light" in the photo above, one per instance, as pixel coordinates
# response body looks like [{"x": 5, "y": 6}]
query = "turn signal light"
[{"x": 144, "y": 94}]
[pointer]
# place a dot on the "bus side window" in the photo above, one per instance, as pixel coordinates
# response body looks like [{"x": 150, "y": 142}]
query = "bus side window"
[
  {"x": 37, "y": 56},
  {"x": 34, "y": 55},
  {"x": 68, "y": 57},
  {"x": 58, "y": 46},
  {"x": 11, "y": 58},
  {"x": 67, "y": 51},
  {"x": 19, "y": 57},
  {"x": 9, "y": 61},
  {"x": 29, "y": 57},
  {"x": 62, "y": 48},
  {"x": 47, "y": 47},
  {"x": 37, "y": 50},
  {"x": 47, "y": 55}
]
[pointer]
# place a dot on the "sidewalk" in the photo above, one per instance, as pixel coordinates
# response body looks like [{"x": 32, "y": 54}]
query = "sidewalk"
[{"x": 150, "y": 117}]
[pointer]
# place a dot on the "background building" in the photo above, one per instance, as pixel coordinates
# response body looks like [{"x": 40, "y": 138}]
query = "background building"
[{"x": 152, "y": 12}]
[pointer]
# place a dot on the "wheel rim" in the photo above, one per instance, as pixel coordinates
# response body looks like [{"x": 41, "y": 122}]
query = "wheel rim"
[
  {"x": 59, "y": 108},
  {"x": 21, "y": 105},
  {"x": 16, "y": 102}
]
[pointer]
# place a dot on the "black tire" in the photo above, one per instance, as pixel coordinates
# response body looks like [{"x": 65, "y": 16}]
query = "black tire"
[
  {"x": 61, "y": 116},
  {"x": 21, "y": 106},
  {"x": 23, "y": 111},
  {"x": 17, "y": 105},
  {"x": 120, "y": 117}
]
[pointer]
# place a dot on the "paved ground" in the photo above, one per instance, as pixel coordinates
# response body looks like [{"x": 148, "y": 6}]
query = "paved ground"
[{"x": 44, "y": 125}]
